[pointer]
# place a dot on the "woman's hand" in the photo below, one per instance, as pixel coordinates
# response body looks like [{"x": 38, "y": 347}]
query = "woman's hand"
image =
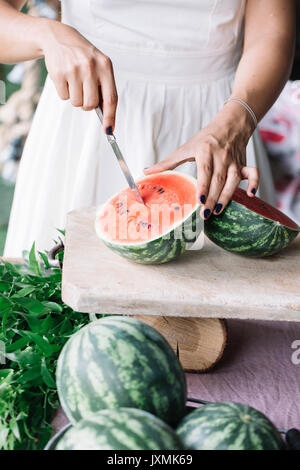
[
  {"x": 76, "y": 67},
  {"x": 78, "y": 70},
  {"x": 219, "y": 150}
]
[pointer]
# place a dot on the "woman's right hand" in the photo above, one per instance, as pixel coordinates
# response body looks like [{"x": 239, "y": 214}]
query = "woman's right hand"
[{"x": 79, "y": 70}]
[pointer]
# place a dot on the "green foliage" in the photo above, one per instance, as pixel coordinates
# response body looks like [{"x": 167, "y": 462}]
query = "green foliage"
[{"x": 34, "y": 326}]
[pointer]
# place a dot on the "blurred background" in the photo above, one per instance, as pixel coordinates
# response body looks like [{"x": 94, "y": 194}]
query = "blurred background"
[{"x": 280, "y": 129}]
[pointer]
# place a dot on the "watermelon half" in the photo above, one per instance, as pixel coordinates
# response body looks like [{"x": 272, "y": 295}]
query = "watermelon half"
[
  {"x": 159, "y": 231},
  {"x": 228, "y": 426},
  {"x": 251, "y": 227},
  {"x": 119, "y": 362},
  {"x": 122, "y": 429}
]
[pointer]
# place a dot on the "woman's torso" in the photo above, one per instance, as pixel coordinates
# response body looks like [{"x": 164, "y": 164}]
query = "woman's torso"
[
  {"x": 195, "y": 37},
  {"x": 174, "y": 62}
]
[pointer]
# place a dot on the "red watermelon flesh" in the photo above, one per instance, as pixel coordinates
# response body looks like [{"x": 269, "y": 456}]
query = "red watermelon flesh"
[
  {"x": 168, "y": 198},
  {"x": 261, "y": 207}
]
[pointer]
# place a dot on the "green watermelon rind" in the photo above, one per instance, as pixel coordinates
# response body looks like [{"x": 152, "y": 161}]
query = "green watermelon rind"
[
  {"x": 162, "y": 249},
  {"x": 120, "y": 362},
  {"x": 228, "y": 426},
  {"x": 122, "y": 429},
  {"x": 240, "y": 230}
]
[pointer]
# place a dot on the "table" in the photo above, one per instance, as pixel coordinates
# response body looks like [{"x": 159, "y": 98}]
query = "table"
[{"x": 184, "y": 299}]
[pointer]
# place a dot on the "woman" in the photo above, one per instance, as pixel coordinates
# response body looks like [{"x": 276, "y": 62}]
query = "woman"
[{"x": 173, "y": 65}]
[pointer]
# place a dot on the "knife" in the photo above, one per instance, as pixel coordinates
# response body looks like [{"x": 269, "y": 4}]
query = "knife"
[{"x": 116, "y": 149}]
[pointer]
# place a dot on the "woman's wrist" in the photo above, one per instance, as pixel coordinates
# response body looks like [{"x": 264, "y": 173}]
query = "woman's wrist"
[
  {"x": 44, "y": 28},
  {"x": 236, "y": 120}
]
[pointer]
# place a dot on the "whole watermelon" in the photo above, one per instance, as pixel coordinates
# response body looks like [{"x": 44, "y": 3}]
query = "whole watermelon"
[
  {"x": 122, "y": 429},
  {"x": 228, "y": 426},
  {"x": 120, "y": 362}
]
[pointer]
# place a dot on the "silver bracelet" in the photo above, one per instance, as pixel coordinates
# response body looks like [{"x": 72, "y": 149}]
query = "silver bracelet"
[{"x": 246, "y": 106}]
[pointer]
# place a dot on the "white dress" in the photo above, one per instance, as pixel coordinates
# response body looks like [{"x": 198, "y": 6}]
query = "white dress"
[{"x": 174, "y": 64}]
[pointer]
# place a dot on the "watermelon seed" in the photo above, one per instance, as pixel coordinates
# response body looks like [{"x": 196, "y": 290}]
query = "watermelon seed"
[{"x": 177, "y": 208}]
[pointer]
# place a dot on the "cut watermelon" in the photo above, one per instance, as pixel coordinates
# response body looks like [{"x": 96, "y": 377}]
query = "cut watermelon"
[
  {"x": 158, "y": 231},
  {"x": 251, "y": 227}
]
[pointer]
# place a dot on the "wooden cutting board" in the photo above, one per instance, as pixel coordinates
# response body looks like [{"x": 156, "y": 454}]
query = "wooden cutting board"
[{"x": 210, "y": 283}]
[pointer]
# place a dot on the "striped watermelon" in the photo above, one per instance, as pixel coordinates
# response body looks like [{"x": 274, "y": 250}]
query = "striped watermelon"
[
  {"x": 251, "y": 227},
  {"x": 120, "y": 362},
  {"x": 122, "y": 429},
  {"x": 228, "y": 426},
  {"x": 159, "y": 231}
]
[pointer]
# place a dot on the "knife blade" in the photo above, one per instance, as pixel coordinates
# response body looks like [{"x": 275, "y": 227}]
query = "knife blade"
[{"x": 116, "y": 149}]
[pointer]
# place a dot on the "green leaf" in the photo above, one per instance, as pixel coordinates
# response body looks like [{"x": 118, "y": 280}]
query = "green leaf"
[
  {"x": 53, "y": 306},
  {"x": 32, "y": 374},
  {"x": 33, "y": 263},
  {"x": 27, "y": 357},
  {"x": 46, "y": 325},
  {"x": 25, "y": 291},
  {"x": 4, "y": 303},
  {"x": 11, "y": 268},
  {"x": 6, "y": 314},
  {"x": 47, "y": 377},
  {"x": 14, "y": 428},
  {"x": 45, "y": 260},
  {"x": 6, "y": 374},
  {"x": 33, "y": 322},
  {"x": 5, "y": 286},
  {"x": 3, "y": 436},
  {"x": 42, "y": 342},
  {"x": 32, "y": 305},
  {"x": 18, "y": 344}
]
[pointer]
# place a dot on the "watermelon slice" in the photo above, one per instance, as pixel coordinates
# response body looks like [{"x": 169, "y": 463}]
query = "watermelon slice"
[
  {"x": 159, "y": 231},
  {"x": 251, "y": 227}
]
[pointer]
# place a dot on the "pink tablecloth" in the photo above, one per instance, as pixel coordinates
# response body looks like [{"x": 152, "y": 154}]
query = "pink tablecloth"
[{"x": 256, "y": 369}]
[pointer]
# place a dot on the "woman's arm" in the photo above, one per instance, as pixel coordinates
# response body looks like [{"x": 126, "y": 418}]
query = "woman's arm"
[
  {"x": 267, "y": 54},
  {"x": 76, "y": 67},
  {"x": 220, "y": 148},
  {"x": 20, "y": 34}
]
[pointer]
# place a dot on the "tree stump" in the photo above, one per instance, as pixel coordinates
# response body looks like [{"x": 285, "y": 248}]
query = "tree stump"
[{"x": 199, "y": 342}]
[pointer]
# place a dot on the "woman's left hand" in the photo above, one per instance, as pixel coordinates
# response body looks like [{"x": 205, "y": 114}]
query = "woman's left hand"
[{"x": 219, "y": 150}]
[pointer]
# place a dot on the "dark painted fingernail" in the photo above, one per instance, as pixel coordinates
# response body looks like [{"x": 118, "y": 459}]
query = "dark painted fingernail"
[
  {"x": 218, "y": 208},
  {"x": 206, "y": 213},
  {"x": 202, "y": 199},
  {"x": 253, "y": 190},
  {"x": 146, "y": 167},
  {"x": 108, "y": 130}
]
